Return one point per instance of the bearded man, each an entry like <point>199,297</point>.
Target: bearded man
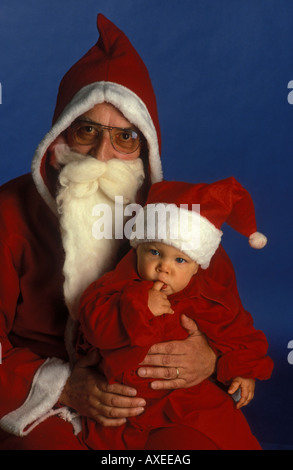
<point>104,141</point>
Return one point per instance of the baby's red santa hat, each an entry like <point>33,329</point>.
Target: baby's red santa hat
<point>202,207</point>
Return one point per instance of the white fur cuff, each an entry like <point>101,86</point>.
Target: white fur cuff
<point>46,388</point>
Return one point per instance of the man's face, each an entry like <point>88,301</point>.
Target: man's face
<point>102,149</point>
<point>160,262</point>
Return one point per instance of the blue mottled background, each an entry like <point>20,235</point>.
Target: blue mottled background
<point>221,71</point>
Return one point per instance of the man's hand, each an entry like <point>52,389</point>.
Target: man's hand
<point>183,363</point>
<point>87,392</point>
<point>246,387</point>
<point>158,302</point>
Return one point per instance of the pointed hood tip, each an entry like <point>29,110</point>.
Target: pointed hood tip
<point>104,25</point>
<point>109,33</point>
<point>111,71</point>
<point>103,21</point>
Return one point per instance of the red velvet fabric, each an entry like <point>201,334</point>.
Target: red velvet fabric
<point>225,200</point>
<point>115,318</point>
<point>32,310</point>
<point>52,434</point>
<point>111,59</point>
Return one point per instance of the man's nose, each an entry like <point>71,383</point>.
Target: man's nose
<point>102,149</point>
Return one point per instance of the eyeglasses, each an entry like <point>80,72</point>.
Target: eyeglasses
<point>123,140</point>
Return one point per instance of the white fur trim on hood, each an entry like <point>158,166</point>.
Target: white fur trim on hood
<point>127,102</point>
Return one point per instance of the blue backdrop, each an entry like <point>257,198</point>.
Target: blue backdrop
<point>221,71</point>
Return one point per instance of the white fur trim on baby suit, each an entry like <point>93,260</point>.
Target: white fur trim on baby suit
<point>47,386</point>
<point>186,230</point>
<point>130,105</point>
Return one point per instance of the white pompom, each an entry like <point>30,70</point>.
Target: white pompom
<point>257,240</point>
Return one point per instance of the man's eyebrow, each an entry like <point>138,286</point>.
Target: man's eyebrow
<point>84,118</point>
<point>90,121</point>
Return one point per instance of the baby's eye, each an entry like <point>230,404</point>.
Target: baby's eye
<point>180,260</point>
<point>155,252</point>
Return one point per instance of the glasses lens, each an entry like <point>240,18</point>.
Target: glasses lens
<point>84,134</point>
<point>125,140</point>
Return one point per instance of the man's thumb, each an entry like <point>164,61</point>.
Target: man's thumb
<point>190,326</point>
<point>91,359</point>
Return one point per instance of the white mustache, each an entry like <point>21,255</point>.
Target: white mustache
<point>84,175</point>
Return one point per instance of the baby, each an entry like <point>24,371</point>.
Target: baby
<point>171,271</point>
<point>141,302</point>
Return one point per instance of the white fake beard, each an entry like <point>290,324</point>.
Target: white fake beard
<point>85,182</point>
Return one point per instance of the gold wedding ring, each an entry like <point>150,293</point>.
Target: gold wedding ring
<point>177,373</point>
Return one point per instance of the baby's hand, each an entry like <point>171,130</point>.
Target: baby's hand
<point>158,302</point>
<point>246,386</point>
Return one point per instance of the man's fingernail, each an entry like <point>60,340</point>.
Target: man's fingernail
<point>154,385</point>
<point>140,410</point>
<point>142,372</point>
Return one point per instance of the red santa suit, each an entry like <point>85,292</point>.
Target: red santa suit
<point>115,318</point>
<point>33,313</point>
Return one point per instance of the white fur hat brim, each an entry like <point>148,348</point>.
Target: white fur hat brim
<point>185,230</point>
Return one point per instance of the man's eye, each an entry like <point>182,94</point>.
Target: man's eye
<point>180,260</point>
<point>88,129</point>
<point>124,136</point>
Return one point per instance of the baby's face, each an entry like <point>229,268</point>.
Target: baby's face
<point>160,262</point>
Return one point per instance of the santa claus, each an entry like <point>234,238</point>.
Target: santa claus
<point>104,141</point>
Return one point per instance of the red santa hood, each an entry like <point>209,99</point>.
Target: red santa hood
<point>111,71</point>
